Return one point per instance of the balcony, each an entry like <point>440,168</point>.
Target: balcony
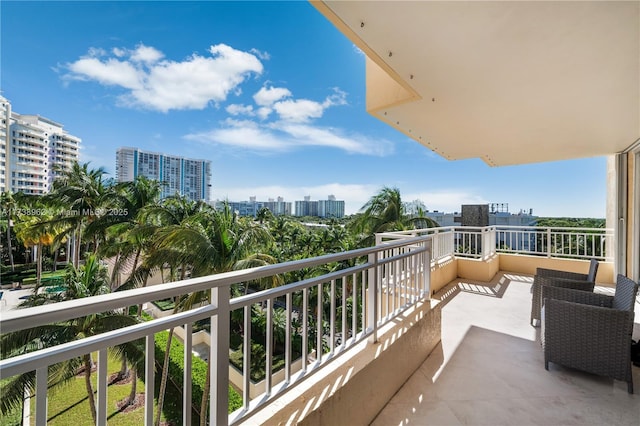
<point>489,368</point>
<point>430,328</point>
<point>31,137</point>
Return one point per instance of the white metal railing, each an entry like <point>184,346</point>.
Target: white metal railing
<point>577,243</point>
<point>483,242</point>
<point>449,241</point>
<point>328,314</point>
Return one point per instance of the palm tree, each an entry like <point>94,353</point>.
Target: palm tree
<point>284,232</point>
<point>208,242</point>
<point>420,220</point>
<point>128,231</point>
<point>8,204</point>
<point>126,235</point>
<point>263,214</point>
<point>36,230</point>
<point>156,219</point>
<point>88,280</point>
<point>384,212</point>
<point>82,192</point>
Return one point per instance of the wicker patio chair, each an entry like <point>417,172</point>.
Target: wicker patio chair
<point>558,278</point>
<point>589,331</point>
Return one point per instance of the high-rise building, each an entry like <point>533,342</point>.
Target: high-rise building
<point>277,207</point>
<point>177,175</point>
<point>323,208</point>
<point>34,151</point>
<point>306,207</point>
<point>5,122</point>
<point>331,207</point>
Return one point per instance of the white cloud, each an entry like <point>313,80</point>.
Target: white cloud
<point>96,52</point>
<point>243,134</point>
<point>304,134</point>
<point>238,109</point>
<point>299,110</point>
<point>291,129</point>
<point>264,112</point>
<point>282,136</point>
<point>265,56</point>
<point>160,84</point>
<point>339,97</point>
<point>266,96</point>
<point>304,110</point>
<point>111,72</point>
<point>146,54</point>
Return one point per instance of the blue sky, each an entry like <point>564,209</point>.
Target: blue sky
<point>270,92</point>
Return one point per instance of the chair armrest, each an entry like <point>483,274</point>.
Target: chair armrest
<point>541,281</point>
<point>543,272</point>
<point>586,331</point>
<point>576,296</point>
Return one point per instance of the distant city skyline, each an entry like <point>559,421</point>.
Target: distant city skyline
<point>269,92</point>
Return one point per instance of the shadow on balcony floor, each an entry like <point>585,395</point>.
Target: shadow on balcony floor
<point>489,370</point>
<point>495,288</point>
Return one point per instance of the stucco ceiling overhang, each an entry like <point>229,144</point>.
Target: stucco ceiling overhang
<point>510,82</point>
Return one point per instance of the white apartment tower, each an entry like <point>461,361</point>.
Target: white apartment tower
<point>34,150</point>
<point>5,120</point>
<point>329,208</point>
<point>185,176</point>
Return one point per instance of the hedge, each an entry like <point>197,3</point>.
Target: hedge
<point>45,281</point>
<point>19,268</point>
<point>258,361</point>
<point>173,396</point>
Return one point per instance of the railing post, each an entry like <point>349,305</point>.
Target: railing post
<point>149,379</point>
<point>489,242</point>
<point>372,308</point>
<point>219,358</point>
<point>548,242</point>
<point>187,379</point>
<point>42,375</point>
<point>426,269</point>
<point>101,410</point>
<point>493,236</point>
<point>438,251</point>
<point>447,244</point>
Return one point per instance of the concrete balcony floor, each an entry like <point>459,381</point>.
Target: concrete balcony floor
<point>489,369</point>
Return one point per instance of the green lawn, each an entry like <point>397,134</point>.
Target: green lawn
<point>69,404</point>
<point>47,278</point>
<point>11,419</point>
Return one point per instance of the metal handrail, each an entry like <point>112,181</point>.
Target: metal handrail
<point>394,277</point>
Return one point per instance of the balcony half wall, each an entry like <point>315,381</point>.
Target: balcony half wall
<point>442,273</point>
<point>361,382</point>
